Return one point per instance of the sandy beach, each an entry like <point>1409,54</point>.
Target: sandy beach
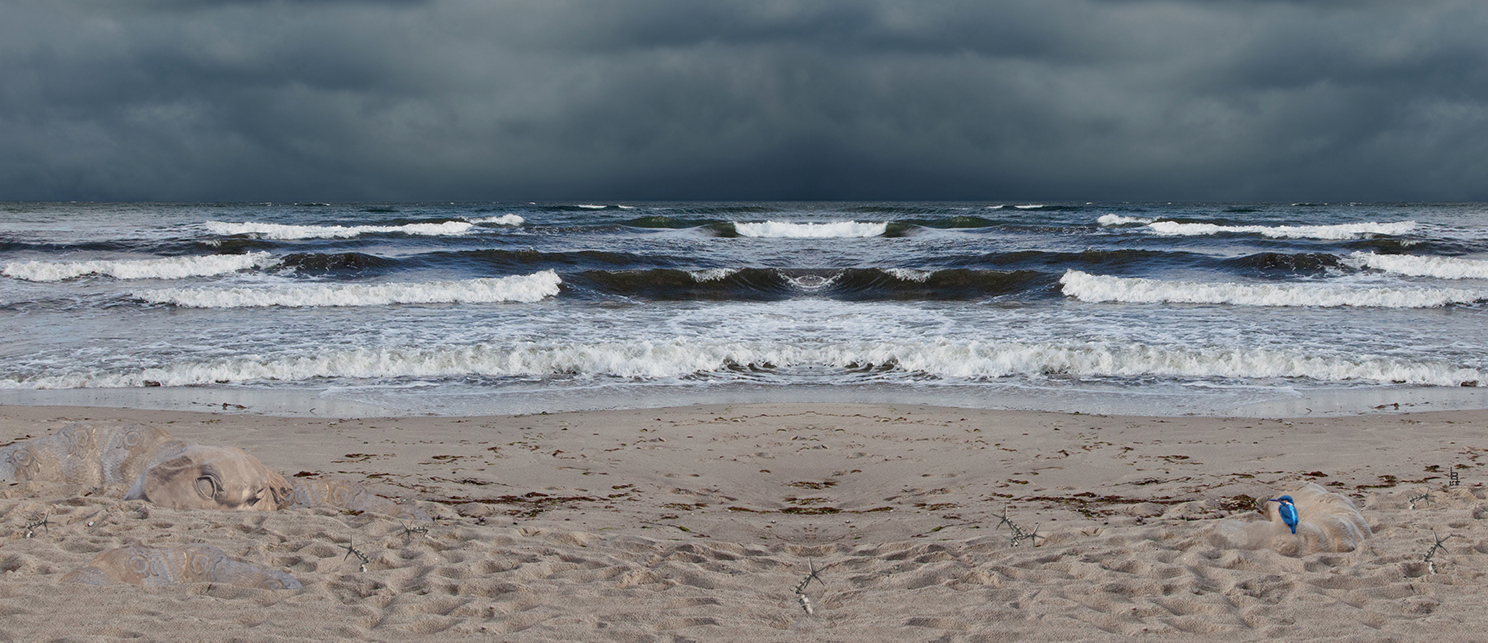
<point>701,523</point>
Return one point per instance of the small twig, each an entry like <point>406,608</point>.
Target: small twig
<point>1431,553</point>
<point>1019,534</point>
<point>351,550</point>
<point>408,532</point>
<point>801,587</point>
<point>44,521</point>
<point>1026,535</point>
<point>1003,517</point>
<point>1425,496</point>
<point>815,575</point>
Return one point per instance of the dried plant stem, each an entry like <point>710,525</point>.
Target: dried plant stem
<point>801,587</point>
<point>1430,556</point>
<point>351,550</point>
<point>1019,533</point>
<point>44,521</point>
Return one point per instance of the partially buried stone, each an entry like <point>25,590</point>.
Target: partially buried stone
<point>155,566</point>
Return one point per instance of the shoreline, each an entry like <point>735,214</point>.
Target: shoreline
<point>697,521</point>
<point>1248,402</point>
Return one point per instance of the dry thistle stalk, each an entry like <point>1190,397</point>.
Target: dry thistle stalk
<point>44,521</point>
<point>351,550</point>
<point>801,587</point>
<point>408,532</point>
<point>1019,534</point>
<point>1431,553</point>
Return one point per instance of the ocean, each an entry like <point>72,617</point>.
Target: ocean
<point>481,308</point>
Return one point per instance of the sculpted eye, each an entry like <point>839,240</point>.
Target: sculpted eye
<point>208,486</point>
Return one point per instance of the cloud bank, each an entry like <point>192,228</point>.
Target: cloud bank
<point>743,99</point>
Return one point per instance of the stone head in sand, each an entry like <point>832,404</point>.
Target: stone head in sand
<point>203,477</point>
<point>91,455</point>
<point>171,473</point>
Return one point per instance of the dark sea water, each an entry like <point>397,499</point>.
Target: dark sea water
<point>489,308</point>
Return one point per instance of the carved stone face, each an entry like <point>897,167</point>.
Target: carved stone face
<point>203,477</point>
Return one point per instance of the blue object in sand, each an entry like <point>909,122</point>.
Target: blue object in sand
<point>1288,511</point>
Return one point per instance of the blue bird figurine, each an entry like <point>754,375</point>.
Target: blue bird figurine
<point>1288,511</point>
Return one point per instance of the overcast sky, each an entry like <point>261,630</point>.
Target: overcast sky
<point>744,99</point>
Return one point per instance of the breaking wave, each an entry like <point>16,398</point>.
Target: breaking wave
<point>505,219</point>
<point>850,284</point>
<point>1100,288</point>
<point>938,358</point>
<point>521,288</point>
<point>1417,266</point>
<point>1336,232</point>
<point>1116,219</point>
<point>712,274</point>
<point>289,232</point>
<point>165,268</point>
<point>781,229</point>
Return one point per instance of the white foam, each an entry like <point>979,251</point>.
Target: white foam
<point>1101,288</point>
<point>1116,219</point>
<point>164,268</point>
<point>907,274</point>
<point>681,358</point>
<point>505,219</point>
<point>592,207</point>
<point>1326,232</point>
<point>782,229</point>
<point>521,288</point>
<point>286,232</point>
<point>811,283</point>
<point>1417,266</point>
<point>712,274</point>
<point>1033,206</point>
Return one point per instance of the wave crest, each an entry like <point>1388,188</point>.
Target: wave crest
<point>1101,288</point>
<point>284,232</point>
<point>165,268</point>
<point>787,230</point>
<point>520,288</point>
<point>505,219</point>
<point>1116,220</point>
<point>1325,232</point>
<point>1418,266</point>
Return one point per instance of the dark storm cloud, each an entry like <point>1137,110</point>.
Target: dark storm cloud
<point>676,99</point>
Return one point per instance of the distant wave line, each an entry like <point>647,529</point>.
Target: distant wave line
<point>1337,232</point>
<point>1103,288</point>
<point>520,288</point>
<point>284,232</point>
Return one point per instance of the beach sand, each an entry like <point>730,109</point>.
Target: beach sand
<point>700,523</point>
